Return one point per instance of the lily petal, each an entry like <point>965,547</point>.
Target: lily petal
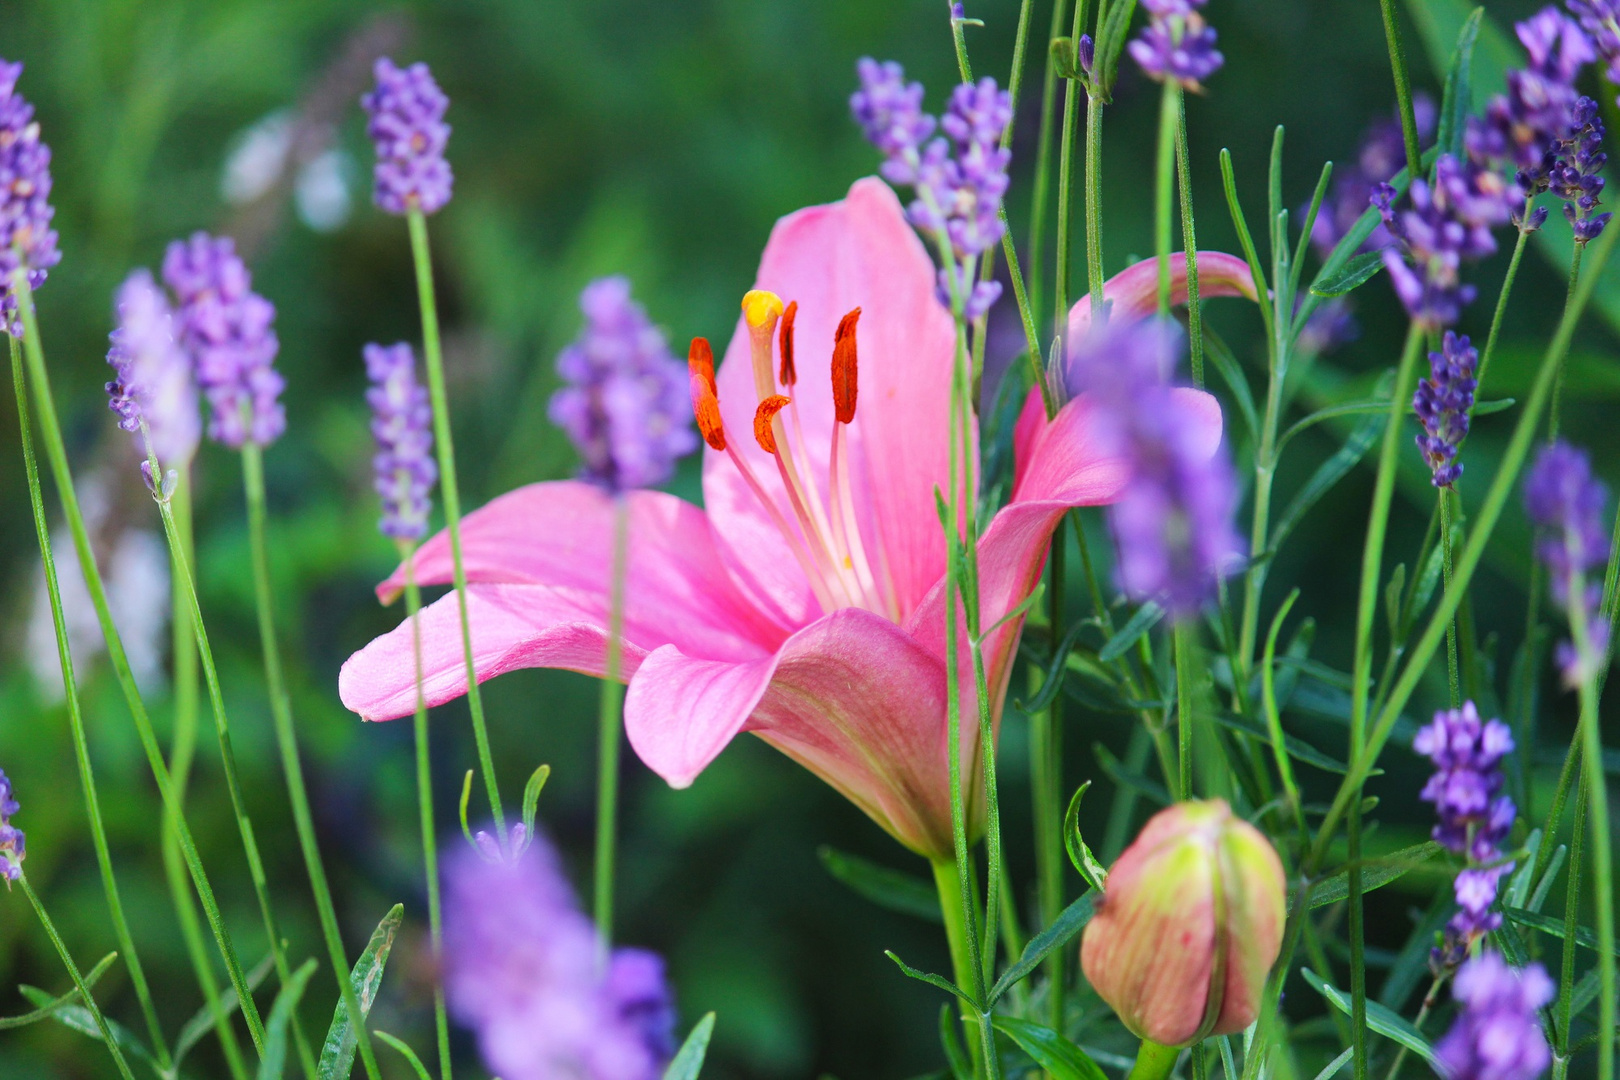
<point>1134,291</point>
<point>850,697</point>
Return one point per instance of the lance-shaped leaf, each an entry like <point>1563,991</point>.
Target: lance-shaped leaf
<point>68,998</point>
<point>337,1055</point>
<point>892,889</point>
<point>202,1021</point>
<point>688,1061</point>
<point>274,1059</point>
<point>1379,1017</point>
<point>1070,921</point>
<point>1051,1051</point>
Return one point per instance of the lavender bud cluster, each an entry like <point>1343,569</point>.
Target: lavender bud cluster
<point>1497,1034</point>
<point>522,970</point>
<point>1574,175</point>
<point>1475,817</point>
<point>226,328</point>
<point>626,403</point>
<point>960,176</point>
<point>13,845</point>
<point>1177,44</point>
<point>27,241</point>
<point>152,384</point>
<point>1566,502</point>
<point>1442,403</point>
<point>402,424</point>
<point>1173,524</point>
<point>406,112</point>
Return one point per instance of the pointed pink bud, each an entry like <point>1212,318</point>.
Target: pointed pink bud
<point>1189,925</point>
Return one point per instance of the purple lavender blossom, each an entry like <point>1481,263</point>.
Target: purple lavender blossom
<point>1442,403</point>
<point>152,384</point>
<point>407,125</point>
<point>1497,1034</point>
<point>1575,173</point>
<point>1177,43</point>
<point>402,424</point>
<point>1437,227</point>
<point>626,405</point>
<point>1382,155</point>
<point>226,328</point>
<point>1601,20</point>
<point>521,968</point>
<point>1331,325</point>
<point>1173,525</point>
<point>1566,501</point>
<point>1475,818</point>
<point>13,845</point>
<point>27,241</point>
<point>889,111</point>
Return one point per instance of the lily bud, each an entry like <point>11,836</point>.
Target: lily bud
<point>1189,925</point>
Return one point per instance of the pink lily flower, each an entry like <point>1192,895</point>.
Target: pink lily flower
<point>805,602</point>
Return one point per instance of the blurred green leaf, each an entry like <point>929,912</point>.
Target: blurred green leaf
<point>1051,1051</point>
<point>202,1021</point>
<point>274,1059</point>
<point>1070,921</point>
<point>1458,99</point>
<point>1379,1017</point>
<point>45,1011</point>
<point>688,1061</point>
<point>1354,274</point>
<point>1584,935</point>
<point>891,889</point>
<point>407,1053</point>
<point>1375,873</point>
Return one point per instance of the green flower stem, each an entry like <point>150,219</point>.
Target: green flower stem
<point>1597,806</point>
<point>434,359</point>
<point>1453,678</point>
<point>960,44</point>
<point>1184,632</point>
<point>1046,788</point>
<point>1555,409</point>
<point>1403,87</point>
<point>1064,253</point>
<point>78,980</point>
<point>610,730</point>
<point>1154,1062</point>
<point>1572,918</point>
<point>1043,167</point>
<point>1189,244</point>
<point>1094,255</point>
<point>1501,307</point>
<point>424,799</point>
<point>1555,815</point>
<point>287,743</point>
<point>1164,190</point>
<point>948,879</point>
<point>56,455</point>
<point>227,753</point>
<point>81,746</point>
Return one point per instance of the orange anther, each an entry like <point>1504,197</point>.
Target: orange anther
<point>843,368</point>
<point>705,398</point>
<point>784,342</point>
<point>763,416</point>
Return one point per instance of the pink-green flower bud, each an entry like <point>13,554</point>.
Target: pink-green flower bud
<point>1190,923</point>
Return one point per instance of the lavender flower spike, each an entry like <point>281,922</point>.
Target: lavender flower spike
<point>1177,44</point>
<point>1566,501</point>
<point>402,424</point>
<point>1442,403</point>
<point>13,845</point>
<point>226,328</point>
<point>1575,176</point>
<point>1601,21</point>
<point>889,111</point>
<point>27,241</point>
<point>521,969</point>
<point>1173,524</point>
<point>626,402</point>
<point>152,387</point>
<point>1497,1034</point>
<point>407,125</point>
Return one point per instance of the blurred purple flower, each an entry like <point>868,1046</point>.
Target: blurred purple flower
<point>402,424</point>
<point>1566,501</point>
<point>1331,325</point>
<point>27,241</point>
<point>522,969</point>
<point>1442,403</point>
<point>1177,43</point>
<point>1173,523</point>
<point>1497,1034</point>
<point>152,379</point>
<point>407,125</point>
<point>13,845</point>
<point>226,328</point>
<point>889,111</point>
<point>626,405</point>
<point>1601,20</point>
<point>1382,155</point>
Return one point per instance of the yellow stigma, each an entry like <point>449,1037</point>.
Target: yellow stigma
<point>761,308</point>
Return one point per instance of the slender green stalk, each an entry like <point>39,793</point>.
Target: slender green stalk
<point>287,743</point>
<point>1555,815</point>
<point>959,43</point>
<point>610,730</point>
<point>81,746</point>
<point>1453,679</point>
<point>1403,87</point>
<point>1189,244</point>
<point>1501,307</point>
<point>1164,190</point>
<point>434,359</point>
<point>1046,789</point>
<point>1572,918</point>
<point>1064,251</point>
<point>1184,633</point>
<point>1094,254</point>
<point>424,800</point>
<point>1043,167</point>
<point>85,996</point>
<point>1556,408</point>
<point>56,455</point>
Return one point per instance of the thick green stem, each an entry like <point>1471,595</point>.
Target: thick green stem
<point>1185,630</point>
<point>1094,253</point>
<point>56,455</point>
<point>287,744</point>
<point>1041,194</point>
<point>1164,189</point>
<point>1046,789</point>
<point>1154,1062</point>
<point>434,360</point>
<point>1403,88</point>
<point>1453,678</point>
<point>424,800</point>
<point>85,996</point>
<point>609,730</point>
<point>1597,805</point>
<point>1189,245</point>
<point>81,746</point>
<point>1064,253</point>
<point>948,880</point>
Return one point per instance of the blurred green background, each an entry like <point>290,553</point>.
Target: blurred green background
<point>659,140</point>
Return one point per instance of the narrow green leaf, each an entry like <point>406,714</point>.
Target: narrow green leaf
<point>1144,620</point>
<point>688,1060</point>
<point>405,1051</point>
<point>1586,992</point>
<point>1332,1068</point>
<point>1549,925</point>
<point>1457,100</point>
<point>1354,274</point>
<point>1051,1051</point>
<point>1518,885</point>
<point>1079,853</point>
<point>1375,873</point>
<point>78,1018</point>
<point>68,998</point>
<point>531,797</point>
<point>932,980</point>
<point>1052,682</point>
<point>1329,473</point>
<point>1554,864</point>
<point>202,1021</point>
<point>955,1056</point>
<point>1232,373</point>
<point>1070,921</point>
<point>1017,612</point>
<point>1394,591</point>
<point>1298,749</point>
<point>891,889</point>
<point>274,1059</point>
<point>1119,774</point>
<point>337,1055</point>
<point>466,796</point>
<point>1379,1017</point>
